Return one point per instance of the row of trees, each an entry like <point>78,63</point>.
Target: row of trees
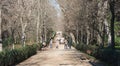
<point>90,21</point>
<point>24,22</point>
<point>32,21</point>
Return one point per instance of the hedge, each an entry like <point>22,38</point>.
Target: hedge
<point>12,57</point>
<point>86,48</point>
<point>108,55</point>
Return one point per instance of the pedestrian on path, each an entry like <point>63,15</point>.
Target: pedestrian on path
<point>69,42</point>
<point>65,44</point>
<point>57,43</point>
<point>51,42</point>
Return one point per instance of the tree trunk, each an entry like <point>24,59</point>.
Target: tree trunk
<point>112,5</point>
<point>77,35</point>
<point>82,35</point>
<point>38,22</point>
<point>0,32</point>
<point>72,36</point>
<point>88,35</point>
<point>37,30</point>
<point>108,31</point>
<point>23,32</point>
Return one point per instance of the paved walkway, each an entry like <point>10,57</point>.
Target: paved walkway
<point>60,57</point>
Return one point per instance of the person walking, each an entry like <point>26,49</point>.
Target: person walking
<point>69,42</point>
<point>57,43</point>
<point>65,44</point>
<point>51,42</point>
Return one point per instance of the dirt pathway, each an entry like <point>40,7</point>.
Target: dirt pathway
<point>60,57</point>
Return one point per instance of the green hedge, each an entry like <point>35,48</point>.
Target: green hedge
<point>108,55</point>
<point>86,48</point>
<point>12,57</point>
<point>117,41</point>
<point>39,46</point>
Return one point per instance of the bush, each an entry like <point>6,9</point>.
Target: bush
<point>11,57</point>
<point>39,46</point>
<point>117,41</point>
<point>107,55</point>
<point>89,49</point>
<point>8,41</point>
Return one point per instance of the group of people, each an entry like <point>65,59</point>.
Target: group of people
<point>51,43</point>
<point>67,43</point>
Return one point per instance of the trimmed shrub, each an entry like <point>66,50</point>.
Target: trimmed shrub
<point>108,55</point>
<point>89,49</point>
<point>8,41</point>
<point>12,57</point>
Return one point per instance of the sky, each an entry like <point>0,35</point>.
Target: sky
<point>55,4</point>
<point>59,23</point>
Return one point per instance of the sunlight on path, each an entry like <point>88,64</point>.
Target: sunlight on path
<point>58,57</point>
<point>53,57</point>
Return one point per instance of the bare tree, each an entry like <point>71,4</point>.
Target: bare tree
<point>38,22</point>
<point>25,14</point>
<point>0,31</point>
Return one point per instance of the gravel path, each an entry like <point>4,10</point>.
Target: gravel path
<point>60,57</point>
